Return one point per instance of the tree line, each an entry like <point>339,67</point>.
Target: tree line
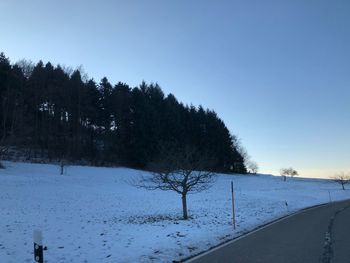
<point>50,112</point>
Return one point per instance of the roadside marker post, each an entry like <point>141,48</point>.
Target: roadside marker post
<point>38,247</point>
<point>233,207</point>
<point>330,198</point>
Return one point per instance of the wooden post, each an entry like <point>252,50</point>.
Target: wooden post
<point>233,207</point>
<point>38,247</point>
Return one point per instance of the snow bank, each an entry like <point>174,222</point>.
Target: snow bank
<point>95,215</point>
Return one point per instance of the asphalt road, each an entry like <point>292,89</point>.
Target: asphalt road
<point>320,234</point>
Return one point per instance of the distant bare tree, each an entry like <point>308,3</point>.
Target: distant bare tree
<point>62,166</point>
<point>243,152</point>
<point>26,66</point>
<point>182,170</point>
<point>342,179</point>
<point>3,151</point>
<point>66,69</point>
<point>252,167</point>
<point>288,172</point>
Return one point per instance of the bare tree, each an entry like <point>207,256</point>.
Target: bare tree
<point>288,172</point>
<point>242,151</point>
<point>182,170</point>
<point>252,167</point>
<point>3,151</point>
<point>342,179</point>
<point>26,66</point>
<point>62,166</point>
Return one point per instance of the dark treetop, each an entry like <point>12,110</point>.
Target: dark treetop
<point>48,112</point>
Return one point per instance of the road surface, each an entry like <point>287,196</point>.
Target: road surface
<point>319,234</point>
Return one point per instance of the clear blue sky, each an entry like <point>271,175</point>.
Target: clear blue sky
<point>277,72</point>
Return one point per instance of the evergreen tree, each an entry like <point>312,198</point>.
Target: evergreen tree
<point>58,114</point>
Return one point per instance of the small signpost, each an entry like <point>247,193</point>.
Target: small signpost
<point>38,247</point>
<point>233,207</point>
<point>329,194</point>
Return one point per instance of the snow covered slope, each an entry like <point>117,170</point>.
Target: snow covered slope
<point>94,214</point>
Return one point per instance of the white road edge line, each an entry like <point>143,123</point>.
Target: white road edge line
<point>256,230</point>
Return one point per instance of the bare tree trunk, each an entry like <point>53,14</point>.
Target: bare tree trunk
<point>184,206</point>
<point>62,167</point>
<point>4,116</point>
<point>3,150</point>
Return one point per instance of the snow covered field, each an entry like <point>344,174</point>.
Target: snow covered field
<point>94,215</point>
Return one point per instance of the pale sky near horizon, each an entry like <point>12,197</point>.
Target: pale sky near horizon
<point>277,72</point>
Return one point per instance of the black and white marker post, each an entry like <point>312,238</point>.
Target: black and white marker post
<point>38,247</point>
<point>233,207</point>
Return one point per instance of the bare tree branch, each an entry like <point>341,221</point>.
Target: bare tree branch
<point>3,151</point>
<point>288,171</point>
<point>182,170</point>
<point>342,179</point>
